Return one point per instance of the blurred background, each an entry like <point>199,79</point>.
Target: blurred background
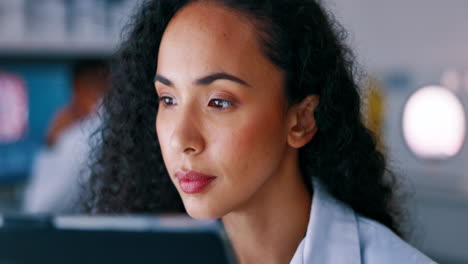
<point>53,72</point>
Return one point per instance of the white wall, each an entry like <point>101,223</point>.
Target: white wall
<point>410,33</point>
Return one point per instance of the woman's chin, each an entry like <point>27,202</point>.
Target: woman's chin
<point>203,212</point>
<point>203,217</point>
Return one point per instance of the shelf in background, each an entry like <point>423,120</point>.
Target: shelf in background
<point>65,49</point>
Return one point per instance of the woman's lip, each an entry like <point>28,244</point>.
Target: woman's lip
<point>193,182</point>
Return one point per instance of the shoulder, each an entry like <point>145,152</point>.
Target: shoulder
<point>380,245</point>
<point>336,227</point>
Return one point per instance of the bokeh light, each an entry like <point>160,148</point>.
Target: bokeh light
<point>434,123</point>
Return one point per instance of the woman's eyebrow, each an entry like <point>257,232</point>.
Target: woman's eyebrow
<point>205,80</point>
<point>220,76</point>
<point>163,80</point>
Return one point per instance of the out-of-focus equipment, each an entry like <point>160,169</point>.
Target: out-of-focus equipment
<point>113,240</point>
<point>13,108</point>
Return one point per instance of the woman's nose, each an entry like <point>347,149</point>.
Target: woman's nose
<point>186,137</point>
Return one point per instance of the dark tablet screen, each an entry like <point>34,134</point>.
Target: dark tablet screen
<point>113,240</point>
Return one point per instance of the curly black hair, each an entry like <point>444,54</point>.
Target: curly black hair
<point>308,44</point>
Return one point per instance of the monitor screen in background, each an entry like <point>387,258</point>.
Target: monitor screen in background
<point>48,87</point>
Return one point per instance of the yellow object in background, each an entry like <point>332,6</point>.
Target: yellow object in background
<point>375,110</point>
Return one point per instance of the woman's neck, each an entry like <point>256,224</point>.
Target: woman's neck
<point>271,225</point>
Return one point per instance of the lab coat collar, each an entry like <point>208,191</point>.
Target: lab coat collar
<point>332,232</point>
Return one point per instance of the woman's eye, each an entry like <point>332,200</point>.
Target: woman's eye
<point>166,100</point>
<point>220,103</point>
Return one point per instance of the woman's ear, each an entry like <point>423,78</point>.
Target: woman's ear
<point>302,126</point>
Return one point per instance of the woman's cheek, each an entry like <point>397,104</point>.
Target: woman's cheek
<point>242,145</point>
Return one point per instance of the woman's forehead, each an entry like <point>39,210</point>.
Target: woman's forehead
<point>212,17</point>
<point>205,37</point>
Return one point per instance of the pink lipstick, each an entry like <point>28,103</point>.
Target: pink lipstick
<point>193,182</point>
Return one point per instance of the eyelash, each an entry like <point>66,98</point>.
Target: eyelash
<point>219,104</point>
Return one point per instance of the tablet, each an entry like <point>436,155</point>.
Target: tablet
<point>112,239</point>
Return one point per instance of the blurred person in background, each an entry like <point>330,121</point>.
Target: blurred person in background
<point>60,168</point>
<point>248,111</point>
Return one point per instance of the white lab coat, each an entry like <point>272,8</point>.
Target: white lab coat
<point>59,174</point>
<point>338,235</point>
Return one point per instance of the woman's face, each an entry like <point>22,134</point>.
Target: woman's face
<point>222,110</point>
